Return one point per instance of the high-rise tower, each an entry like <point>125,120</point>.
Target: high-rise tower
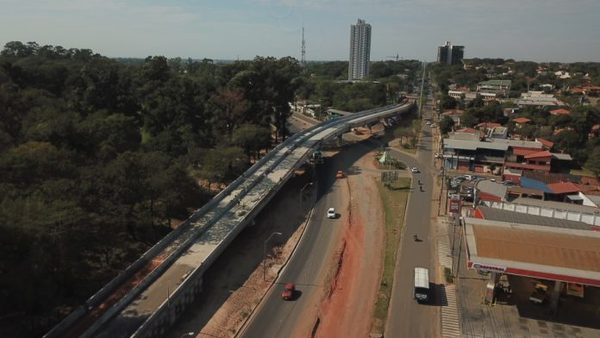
<point>360,50</point>
<point>449,54</point>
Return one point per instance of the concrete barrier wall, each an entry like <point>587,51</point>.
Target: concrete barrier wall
<point>591,219</point>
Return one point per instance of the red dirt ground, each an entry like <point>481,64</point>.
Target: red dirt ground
<point>347,311</point>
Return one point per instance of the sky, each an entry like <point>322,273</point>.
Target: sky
<point>537,30</point>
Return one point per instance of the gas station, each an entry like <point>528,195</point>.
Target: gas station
<point>566,258</point>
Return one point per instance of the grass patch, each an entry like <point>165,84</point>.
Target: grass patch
<point>394,205</point>
<point>408,149</point>
<point>582,172</point>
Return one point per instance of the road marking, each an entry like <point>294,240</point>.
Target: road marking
<point>444,253</point>
<point>450,314</point>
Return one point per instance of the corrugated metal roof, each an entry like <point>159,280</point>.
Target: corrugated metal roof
<point>562,157</point>
<point>527,245</point>
<point>557,205</point>
<point>492,188</point>
<point>519,143</point>
<point>524,151</point>
<point>473,145</point>
<point>563,187</point>
<point>530,183</point>
<point>539,154</point>
<point>495,214</point>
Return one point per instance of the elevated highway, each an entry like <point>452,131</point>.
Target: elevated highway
<point>147,298</point>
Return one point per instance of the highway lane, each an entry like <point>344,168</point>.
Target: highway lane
<point>306,268</point>
<point>407,318</point>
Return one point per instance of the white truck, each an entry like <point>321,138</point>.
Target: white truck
<point>421,291</point>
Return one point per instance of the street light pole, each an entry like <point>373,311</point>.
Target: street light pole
<point>265,253</point>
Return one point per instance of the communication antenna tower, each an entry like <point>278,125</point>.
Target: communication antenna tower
<point>303,51</point>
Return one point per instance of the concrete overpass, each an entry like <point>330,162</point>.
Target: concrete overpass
<point>149,295</point>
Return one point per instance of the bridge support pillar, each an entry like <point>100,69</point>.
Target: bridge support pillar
<point>339,141</point>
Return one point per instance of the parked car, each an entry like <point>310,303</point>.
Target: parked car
<point>414,169</point>
<point>288,291</point>
<point>331,213</point>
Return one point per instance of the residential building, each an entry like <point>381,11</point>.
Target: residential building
<point>466,151</point>
<point>585,90</point>
<point>360,50</point>
<point>498,87</point>
<point>449,54</point>
<point>455,115</point>
<point>538,99</point>
<point>560,111</point>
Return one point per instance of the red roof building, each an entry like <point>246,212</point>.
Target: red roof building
<point>547,144</point>
<point>521,120</point>
<point>523,151</point>
<point>488,125</point>
<point>468,130</point>
<point>539,155</point>
<point>560,111</point>
<point>563,188</point>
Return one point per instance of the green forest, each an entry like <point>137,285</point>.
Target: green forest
<point>100,158</point>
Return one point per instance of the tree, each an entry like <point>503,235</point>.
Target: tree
<point>593,162</point>
<point>230,107</point>
<point>401,133</point>
<point>252,139</point>
<point>446,124</point>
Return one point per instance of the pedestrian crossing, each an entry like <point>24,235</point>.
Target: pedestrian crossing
<point>444,256</point>
<point>450,315</point>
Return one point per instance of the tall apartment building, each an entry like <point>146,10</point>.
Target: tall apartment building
<point>360,50</point>
<point>449,54</point>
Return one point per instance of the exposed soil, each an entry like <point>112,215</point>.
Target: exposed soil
<point>346,311</point>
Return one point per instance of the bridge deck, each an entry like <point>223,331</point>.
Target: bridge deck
<point>197,246</point>
<point>157,293</point>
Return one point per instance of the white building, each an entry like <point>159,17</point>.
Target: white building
<point>360,50</point>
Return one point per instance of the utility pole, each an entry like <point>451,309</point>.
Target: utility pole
<point>421,94</point>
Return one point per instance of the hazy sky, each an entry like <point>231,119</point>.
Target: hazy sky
<point>540,30</point>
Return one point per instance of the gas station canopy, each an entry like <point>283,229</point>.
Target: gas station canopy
<point>546,252</point>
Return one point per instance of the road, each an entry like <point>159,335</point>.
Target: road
<point>306,268</point>
<point>407,318</point>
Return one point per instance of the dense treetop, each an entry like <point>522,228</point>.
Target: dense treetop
<point>99,157</point>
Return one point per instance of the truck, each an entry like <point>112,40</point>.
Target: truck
<point>421,288</point>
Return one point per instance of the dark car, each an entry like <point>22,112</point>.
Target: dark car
<point>288,291</point>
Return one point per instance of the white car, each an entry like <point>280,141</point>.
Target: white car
<point>331,213</point>
<point>414,169</point>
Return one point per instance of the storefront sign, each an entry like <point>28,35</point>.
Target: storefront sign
<point>492,268</point>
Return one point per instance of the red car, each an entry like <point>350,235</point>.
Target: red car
<point>288,291</point>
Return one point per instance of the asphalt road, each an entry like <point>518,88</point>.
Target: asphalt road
<point>406,317</point>
<point>276,317</point>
